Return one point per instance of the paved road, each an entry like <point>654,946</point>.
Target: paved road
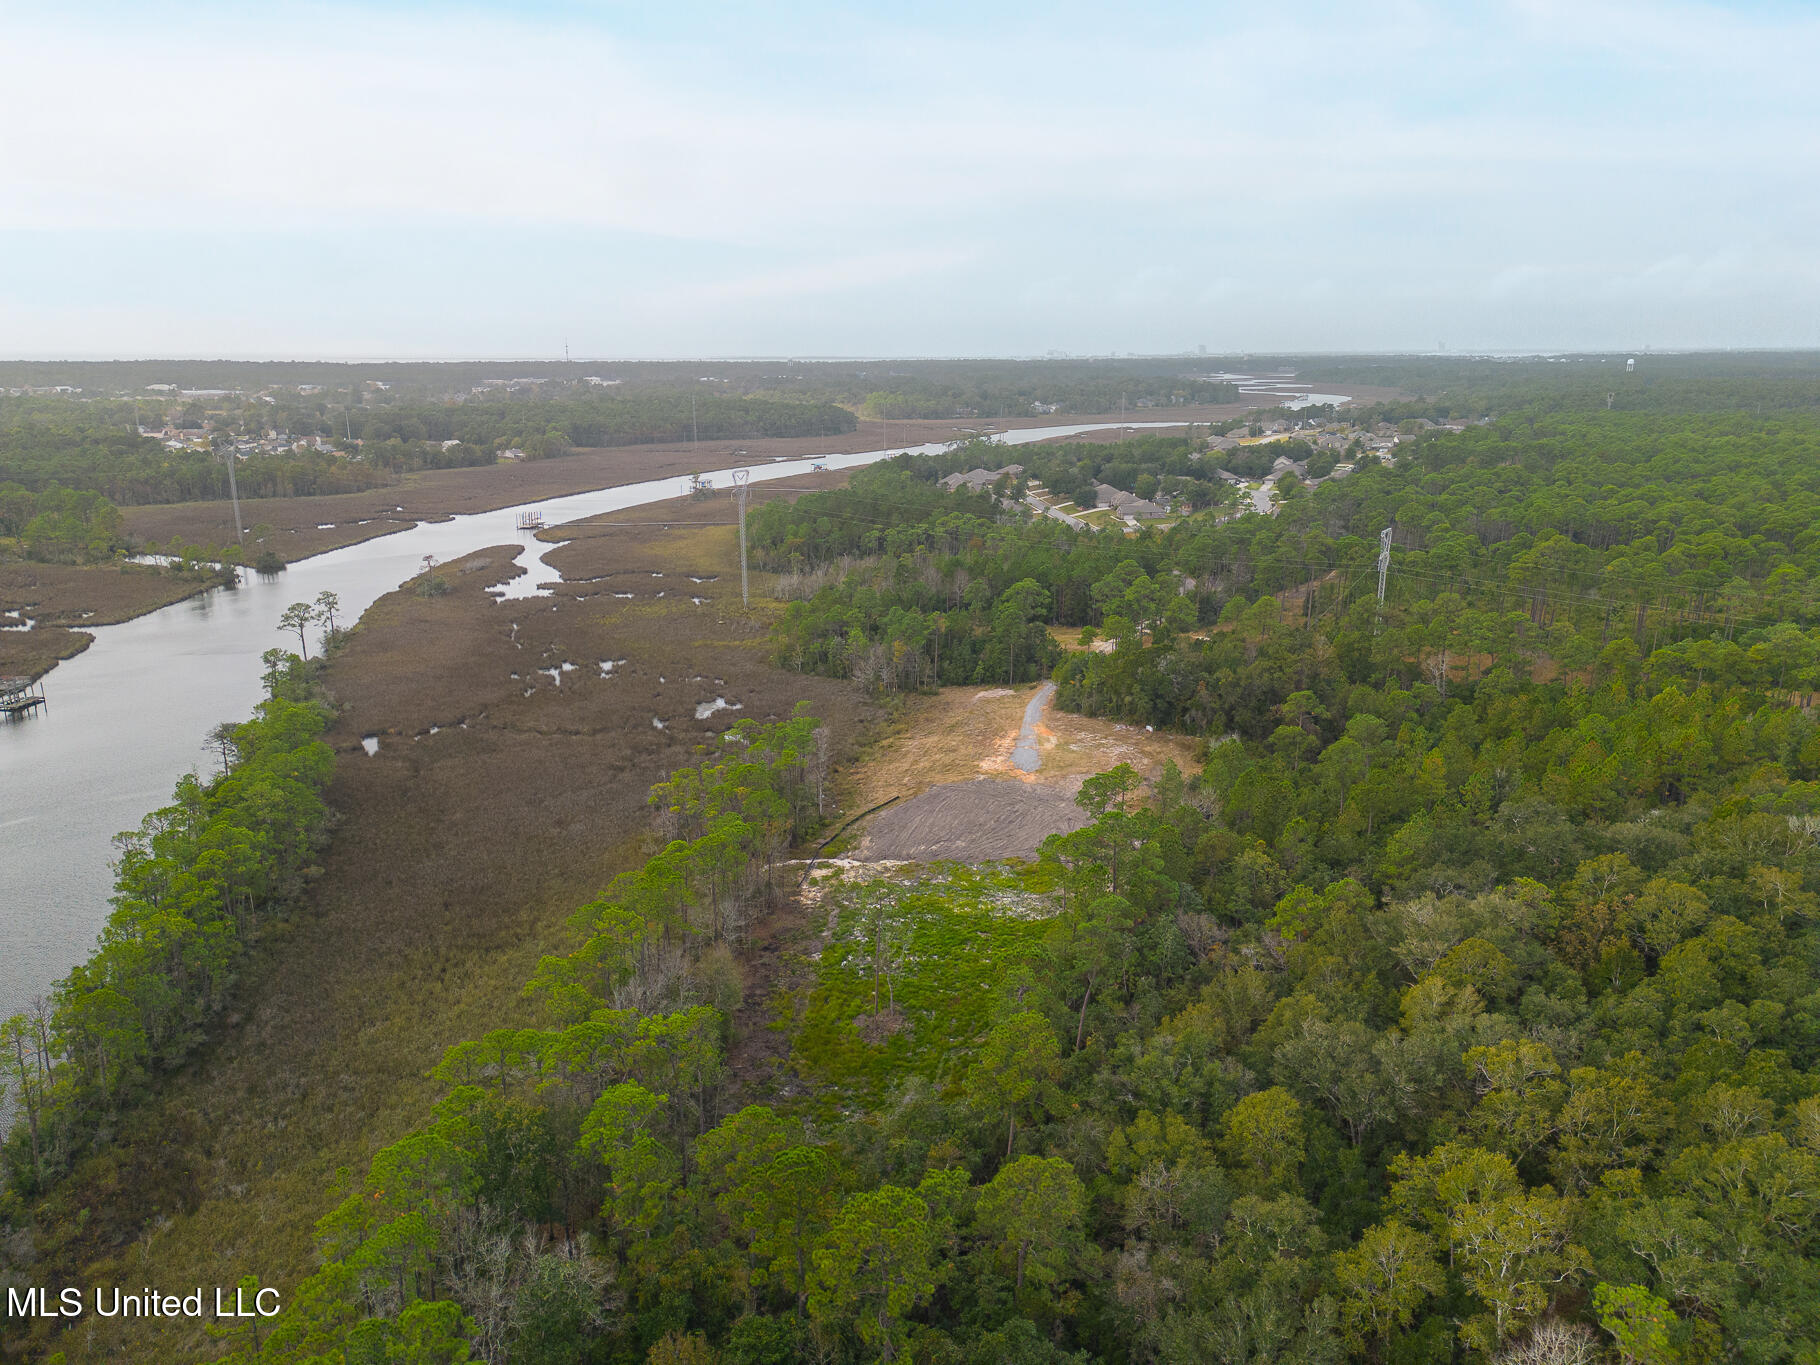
<point>1024,754</point>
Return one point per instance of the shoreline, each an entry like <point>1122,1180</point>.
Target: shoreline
<point>310,526</point>
<point>302,528</point>
<point>68,608</point>
<point>307,526</point>
<point>503,791</point>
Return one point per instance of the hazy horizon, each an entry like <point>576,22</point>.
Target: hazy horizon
<point>390,179</point>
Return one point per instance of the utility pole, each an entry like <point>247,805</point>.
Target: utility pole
<point>234,493</point>
<point>741,479</point>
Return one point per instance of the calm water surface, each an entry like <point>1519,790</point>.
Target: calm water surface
<point>127,717</point>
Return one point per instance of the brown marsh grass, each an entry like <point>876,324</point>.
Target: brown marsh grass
<point>457,859</point>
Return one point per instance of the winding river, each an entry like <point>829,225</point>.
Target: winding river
<point>128,716</point>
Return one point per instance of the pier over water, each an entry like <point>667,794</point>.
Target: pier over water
<point>20,696</point>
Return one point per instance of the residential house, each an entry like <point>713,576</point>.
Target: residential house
<point>979,480</point>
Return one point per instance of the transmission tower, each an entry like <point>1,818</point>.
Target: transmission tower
<point>742,478</point>
<point>1383,573</point>
<point>234,493</point>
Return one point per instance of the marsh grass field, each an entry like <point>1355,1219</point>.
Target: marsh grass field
<point>456,860</point>
<point>61,599</point>
<point>311,525</point>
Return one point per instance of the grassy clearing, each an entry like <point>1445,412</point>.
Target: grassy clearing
<point>955,930</point>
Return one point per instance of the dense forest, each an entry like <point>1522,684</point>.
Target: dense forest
<point>995,395</point>
<point>1759,382</point>
<point>1244,1090</point>
<point>1673,548</point>
<point>1085,384</point>
<point>1462,1005</point>
<point>60,525</point>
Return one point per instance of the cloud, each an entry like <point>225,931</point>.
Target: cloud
<point>992,176</point>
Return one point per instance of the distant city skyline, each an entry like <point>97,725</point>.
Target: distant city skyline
<point>408,181</point>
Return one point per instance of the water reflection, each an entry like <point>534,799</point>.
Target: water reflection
<point>128,716</point>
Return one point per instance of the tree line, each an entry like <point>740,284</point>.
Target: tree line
<point>95,446</point>
<point>196,885</point>
<point>61,525</point>
<point>1018,395</point>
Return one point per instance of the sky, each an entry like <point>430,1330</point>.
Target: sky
<point>674,179</point>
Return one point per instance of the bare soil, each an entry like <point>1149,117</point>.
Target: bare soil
<point>949,756</point>
<point>972,822</point>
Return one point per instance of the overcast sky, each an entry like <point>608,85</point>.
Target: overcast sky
<point>668,179</point>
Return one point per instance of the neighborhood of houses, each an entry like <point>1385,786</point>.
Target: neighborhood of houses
<point>1115,508</point>
<point>197,419</point>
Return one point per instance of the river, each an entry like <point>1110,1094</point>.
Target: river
<point>128,716</point>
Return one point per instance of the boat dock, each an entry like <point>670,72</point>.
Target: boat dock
<point>530,521</point>
<point>20,696</point>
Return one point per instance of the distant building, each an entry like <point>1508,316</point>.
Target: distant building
<point>980,479</point>
<point>1127,505</point>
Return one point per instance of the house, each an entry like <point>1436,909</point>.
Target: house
<point>979,480</point>
<point>1105,495</point>
<point>1128,506</point>
<point>511,453</point>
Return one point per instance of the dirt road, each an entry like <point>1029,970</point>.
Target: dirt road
<point>989,774</point>
<point>1024,754</point>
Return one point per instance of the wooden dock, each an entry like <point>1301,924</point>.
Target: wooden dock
<point>530,521</point>
<point>20,696</point>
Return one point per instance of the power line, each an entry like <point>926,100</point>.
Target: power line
<point>742,479</point>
